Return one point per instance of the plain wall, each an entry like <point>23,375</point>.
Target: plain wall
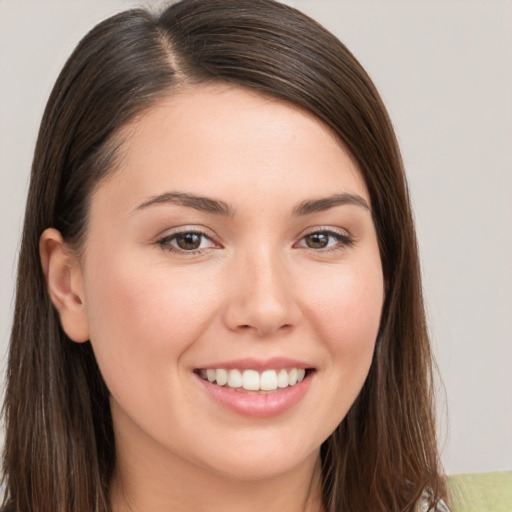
<point>444,69</point>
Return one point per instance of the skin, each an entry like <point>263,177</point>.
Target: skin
<point>155,313</point>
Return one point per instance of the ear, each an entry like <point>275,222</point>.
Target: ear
<point>64,282</point>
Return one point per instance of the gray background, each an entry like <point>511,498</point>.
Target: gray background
<point>444,69</point>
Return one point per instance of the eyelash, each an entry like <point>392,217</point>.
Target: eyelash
<point>343,241</point>
<point>165,242</point>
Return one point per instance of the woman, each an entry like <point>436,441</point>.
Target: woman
<point>219,303</point>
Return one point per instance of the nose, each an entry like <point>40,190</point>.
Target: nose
<point>262,297</point>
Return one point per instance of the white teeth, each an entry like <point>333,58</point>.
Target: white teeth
<point>292,377</point>
<point>221,377</point>
<point>268,380</point>
<point>282,379</point>
<point>251,380</point>
<point>235,379</point>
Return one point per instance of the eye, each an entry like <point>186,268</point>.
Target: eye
<point>186,241</point>
<point>325,239</point>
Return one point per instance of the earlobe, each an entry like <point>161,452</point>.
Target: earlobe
<point>64,283</point>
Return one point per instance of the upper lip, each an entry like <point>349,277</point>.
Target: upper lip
<point>260,365</point>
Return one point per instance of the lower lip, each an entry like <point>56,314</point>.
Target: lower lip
<point>256,405</point>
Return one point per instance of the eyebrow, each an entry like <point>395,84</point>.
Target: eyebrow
<point>201,203</point>
<point>209,205</point>
<point>325,203</point>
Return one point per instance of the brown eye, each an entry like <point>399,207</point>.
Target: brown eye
<point>186,242</point>
<point>189,241</point>
<point>326,240</point>
<point>317,240</point>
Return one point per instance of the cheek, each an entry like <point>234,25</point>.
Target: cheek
<point>141,318</point>
<point>347,314</point>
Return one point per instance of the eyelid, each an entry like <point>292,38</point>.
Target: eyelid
<point>326,229</point>
<point>163,240</point>
<point>344,237</point>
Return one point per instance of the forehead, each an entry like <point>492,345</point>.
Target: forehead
<point>222,140</point>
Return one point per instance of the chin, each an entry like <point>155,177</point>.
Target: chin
<point>261,461</point>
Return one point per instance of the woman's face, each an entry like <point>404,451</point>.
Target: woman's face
<point>234,242</point>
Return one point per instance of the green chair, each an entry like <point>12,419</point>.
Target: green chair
<point>484,492</point>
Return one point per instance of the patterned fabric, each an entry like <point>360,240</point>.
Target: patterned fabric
<point>441,506</point>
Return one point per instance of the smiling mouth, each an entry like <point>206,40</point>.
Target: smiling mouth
<point>248,381</point>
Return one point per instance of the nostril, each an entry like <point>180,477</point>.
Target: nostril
<point>247,327</point>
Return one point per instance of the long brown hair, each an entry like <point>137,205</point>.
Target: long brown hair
<point>59,448</point>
